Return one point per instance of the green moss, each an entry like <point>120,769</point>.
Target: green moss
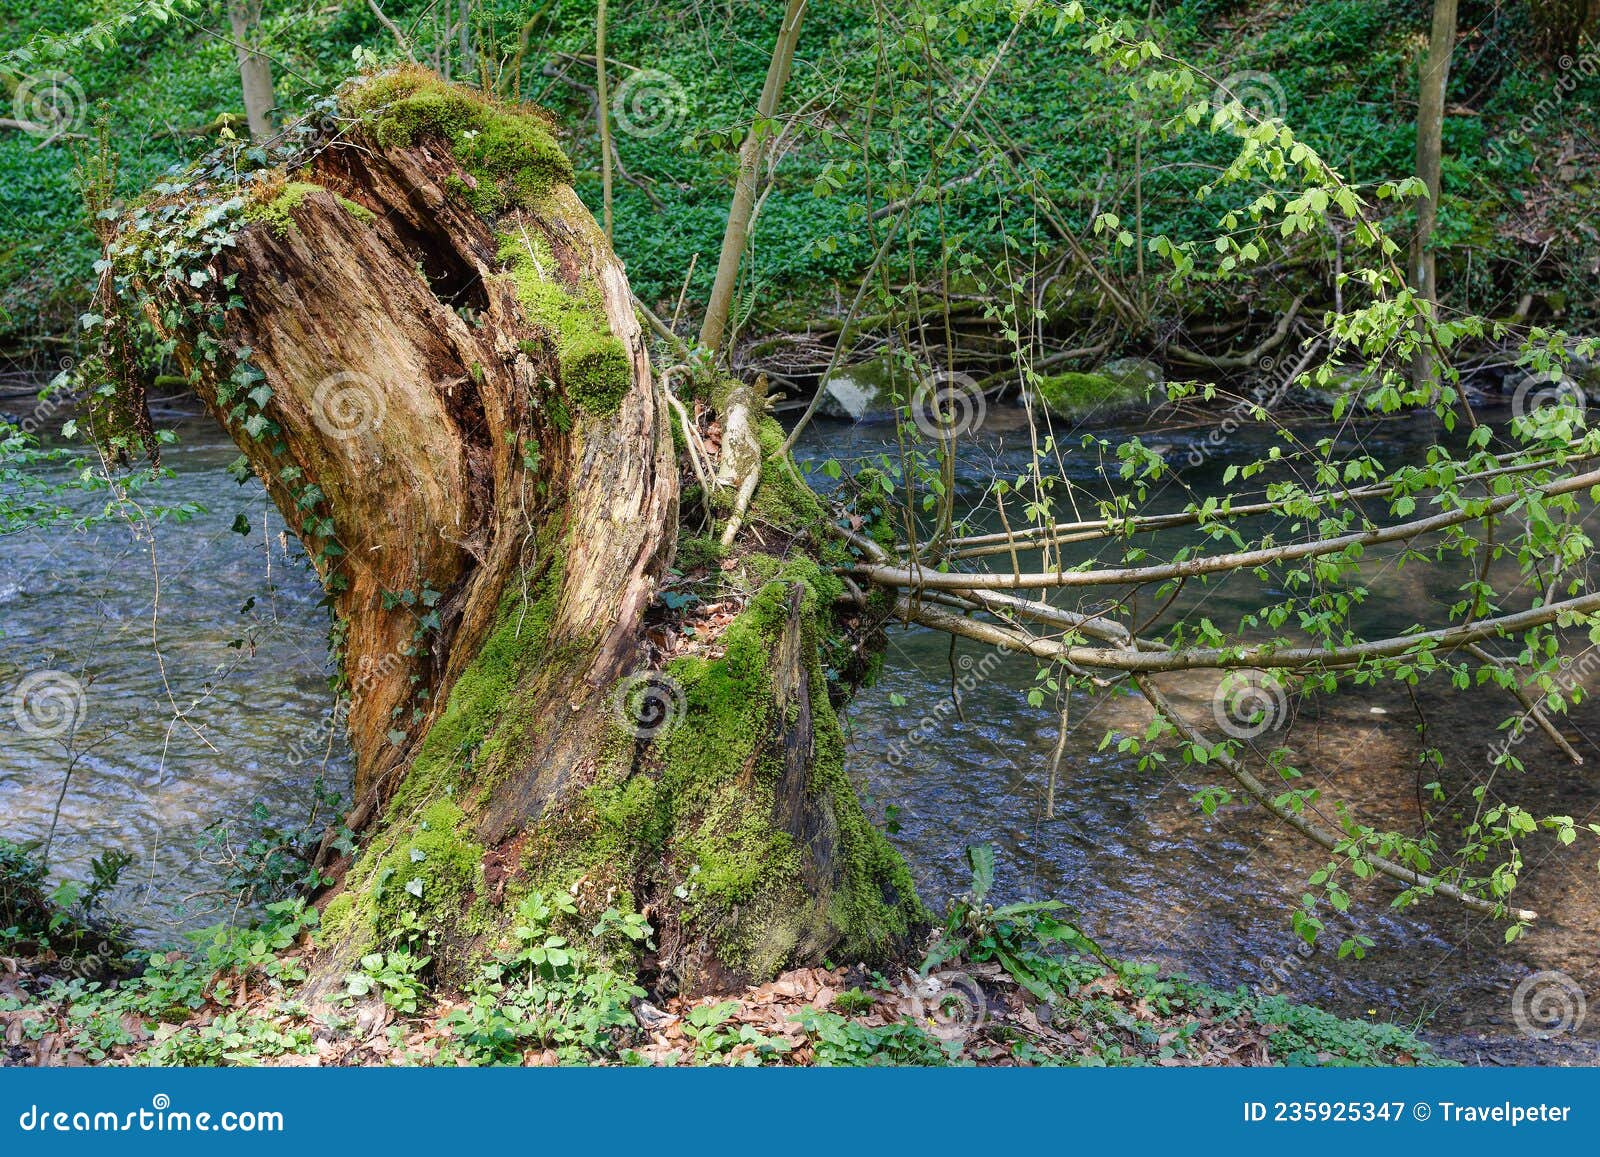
<point>1077,396</point>
<point>781,499</point>
<point>596,369</point>
<point>276,213</point>
<point>340,919</point>
<point>509,158</point>
<point>360,212</point>
<point>743,874</point>
<point>601,830</point>
<point>422,874</point>
<point>695,821</point>
<point>472,738</point>
<point>694,553</point>
<point>509,152</point>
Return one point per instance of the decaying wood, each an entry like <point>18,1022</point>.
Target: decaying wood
<point>408,384</point>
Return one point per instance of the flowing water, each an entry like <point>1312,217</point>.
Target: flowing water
<point>201,654</point>
<point>197,659</point>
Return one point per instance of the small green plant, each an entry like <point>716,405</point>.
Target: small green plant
<point>272,863</point>
<point>552,986</point>
<point>837,1040</point>
<point>1023,938</point>
<point>714,1045</point>
<point>395,976</point>
<point>853,1001</point>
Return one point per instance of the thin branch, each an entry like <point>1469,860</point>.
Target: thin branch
<point>1319,835</point>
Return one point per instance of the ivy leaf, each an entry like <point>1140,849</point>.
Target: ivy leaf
<point>241,524</point>
<point>414,886</point>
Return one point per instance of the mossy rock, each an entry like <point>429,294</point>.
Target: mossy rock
<point>1082,397</point>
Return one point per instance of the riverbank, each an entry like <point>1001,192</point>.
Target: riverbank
<point>232,998</point>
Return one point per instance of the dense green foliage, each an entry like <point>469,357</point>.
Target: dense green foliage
<point>1341,71</point>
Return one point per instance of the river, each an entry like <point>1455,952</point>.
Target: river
<point>202,651</point>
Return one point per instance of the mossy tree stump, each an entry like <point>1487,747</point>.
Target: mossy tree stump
<point>419,338</point>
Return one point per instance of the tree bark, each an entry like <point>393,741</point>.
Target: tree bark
<point>255,70</point>
<point>714,328</point>
<point>489,492</point>
<point>1430,148</point>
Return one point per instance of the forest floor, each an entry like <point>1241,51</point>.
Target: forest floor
<point>181,1012</point>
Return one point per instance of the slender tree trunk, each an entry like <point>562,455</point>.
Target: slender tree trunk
<point>464,39</point>
<point>461,407</point>
<point>1430,127</point>
<point>255,71</point>
<point>603,113</point>
<point>714,329</point>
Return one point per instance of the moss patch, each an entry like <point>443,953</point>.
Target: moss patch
<point>472,737</point>
<point>596,369</point>
<point>277,211</point>
<point>1078,397</point>
<point>509,159</point>
<point>742,874</point>
<point>420,875</point>
<point>509,152</point>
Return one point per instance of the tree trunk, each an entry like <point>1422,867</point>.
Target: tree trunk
<point>602,89</point>
<point>463,430</point>
<point>714,328</point>
<point>1430,148</point>
<point>255,70</point>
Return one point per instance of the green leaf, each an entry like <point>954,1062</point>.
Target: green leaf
<point>981,859</point>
